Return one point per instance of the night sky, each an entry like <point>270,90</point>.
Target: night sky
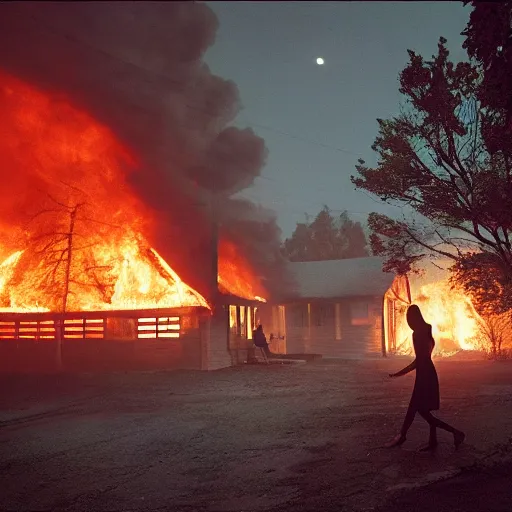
<point>318,120</point>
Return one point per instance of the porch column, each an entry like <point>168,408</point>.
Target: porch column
<point>308,328</point>
<point>204,333</point>
<point>337,321</point>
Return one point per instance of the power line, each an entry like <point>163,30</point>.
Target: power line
<point>303,139</point>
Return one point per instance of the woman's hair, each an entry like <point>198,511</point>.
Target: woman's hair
<point>415,318</point>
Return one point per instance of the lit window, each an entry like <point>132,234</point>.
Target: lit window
<point>84,328</point>
<point>162,327</point>
<point>232,319</point>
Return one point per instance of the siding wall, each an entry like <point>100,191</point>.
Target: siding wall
<point>215,352</point>
<point>335,328</point>
<point>109,353</point>
<point>27,356</point>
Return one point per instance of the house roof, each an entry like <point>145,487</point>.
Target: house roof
<point>340,278</point>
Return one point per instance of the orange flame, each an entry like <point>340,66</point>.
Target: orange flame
<point>235,274</point>
<point>70,226</point>
<point>69,223</point>
<point>454,320</point>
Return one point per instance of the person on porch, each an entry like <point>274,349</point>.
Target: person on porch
<point>260,340</point>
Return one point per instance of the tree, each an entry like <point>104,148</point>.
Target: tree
<point>436,160</point>
<point>57,256</point>
<point>64,264</point>
<point>494,329</point>
<point>326,238</point>
<point>352,240</point>
<point>489,42</point>
<point>59,268</point>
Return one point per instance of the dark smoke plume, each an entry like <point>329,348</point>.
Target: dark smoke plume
<point>137,67</point>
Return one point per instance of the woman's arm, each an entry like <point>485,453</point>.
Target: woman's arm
<point>405,371</point>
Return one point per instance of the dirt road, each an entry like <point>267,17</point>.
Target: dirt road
<point>305,437</point>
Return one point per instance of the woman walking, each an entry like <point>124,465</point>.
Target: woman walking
<point>425,396</point>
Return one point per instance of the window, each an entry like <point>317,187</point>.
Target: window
<point>7,330</point>
<point>232,320</point>
<point>161,327</point>
<point>82,328</point>
<point>72,328</point>
<point>359,314</point>
<point>249,323</point>
<point>27,330</point>
<point>322,314</point>
<point>299,315</point>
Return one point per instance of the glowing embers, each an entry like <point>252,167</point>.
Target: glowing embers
<point>161,327</point>
<point>84,328</point>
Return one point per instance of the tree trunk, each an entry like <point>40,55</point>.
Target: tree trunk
<point>67,275</point>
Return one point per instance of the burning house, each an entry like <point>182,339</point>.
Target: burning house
<point>121,245</point>
<point>351,309</point>
<point>83,289</point>
<point>340,308</point>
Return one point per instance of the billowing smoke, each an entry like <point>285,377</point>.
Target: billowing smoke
<point>137,67</point>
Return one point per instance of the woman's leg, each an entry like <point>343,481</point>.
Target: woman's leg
<point>409,418</point>
<point>400,438</point>
<point>432,440</point>
<point>437,423</point>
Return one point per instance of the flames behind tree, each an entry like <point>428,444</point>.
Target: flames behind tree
<point>73,234</point>
<point>456,325</point>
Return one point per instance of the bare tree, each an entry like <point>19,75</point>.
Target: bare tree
<point>56,251</point>
<point>62,249</point>
<point>495,329</point>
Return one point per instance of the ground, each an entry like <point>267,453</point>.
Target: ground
<point>276,438</point>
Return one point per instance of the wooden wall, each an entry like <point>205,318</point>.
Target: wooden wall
<point>205,341</point>
<point>28,356</point>
<point>346,328</point>
<point>215,340</point>
<point>40,353</point>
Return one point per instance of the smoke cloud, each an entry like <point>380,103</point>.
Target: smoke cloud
<point>137,67</point>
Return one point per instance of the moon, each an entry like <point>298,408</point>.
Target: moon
<point>320,61</point>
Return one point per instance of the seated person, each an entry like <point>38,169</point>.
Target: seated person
<point>260,340</point>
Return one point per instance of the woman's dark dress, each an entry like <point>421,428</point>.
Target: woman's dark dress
<point>425,396</point>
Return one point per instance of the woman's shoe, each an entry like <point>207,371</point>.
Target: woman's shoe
<point>397,441</point>
<point>458,438</point>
